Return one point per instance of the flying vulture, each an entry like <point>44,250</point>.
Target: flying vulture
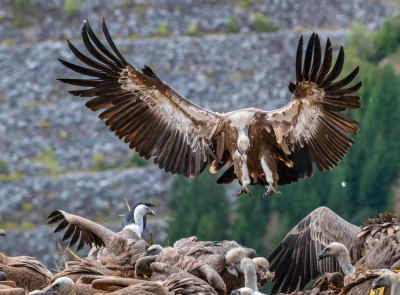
<point>256,146</point>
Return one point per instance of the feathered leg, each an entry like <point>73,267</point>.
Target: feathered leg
<point>269,166</point>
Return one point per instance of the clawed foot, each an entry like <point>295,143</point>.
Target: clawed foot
<point>243,190</point>
<point>270,191</point>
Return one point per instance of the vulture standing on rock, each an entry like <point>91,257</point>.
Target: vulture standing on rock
<point>120,248</point>
<point>256,146</point>
<point>373,246</point>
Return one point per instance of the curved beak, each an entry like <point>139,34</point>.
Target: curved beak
<point>151,213</point>
<point>321,255</point>
<point>375,284</point>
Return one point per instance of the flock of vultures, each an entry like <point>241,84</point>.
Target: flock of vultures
<point>323,253</point>
<point>340,257</point>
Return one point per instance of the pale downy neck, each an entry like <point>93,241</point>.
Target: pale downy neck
<point>395,284</point>
<point>250,276</point>
<point>138,218</point>
<point>345,262</point>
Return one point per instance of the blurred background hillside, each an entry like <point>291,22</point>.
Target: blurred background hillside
<point>222,55</point>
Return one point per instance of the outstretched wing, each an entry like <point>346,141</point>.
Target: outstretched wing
<point>142,110</point>
<point>295,259</point>
<point>311,126</point>
<point>80,229</point>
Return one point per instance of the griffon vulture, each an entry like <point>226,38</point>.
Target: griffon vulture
<point>256,146</point>
<point>295,260</point>
<point>122,248</point>
<point>391,280</point>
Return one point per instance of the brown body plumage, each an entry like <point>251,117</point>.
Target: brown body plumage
<point>27,272</point>
<point>256,146</point>
<point>177,281</point>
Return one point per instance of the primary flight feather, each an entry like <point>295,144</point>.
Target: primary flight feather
<point>256,146</point>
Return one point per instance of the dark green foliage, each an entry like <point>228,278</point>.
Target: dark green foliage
<point>388,39</point>
<point>198,207</point>
<point>251,220</point>
<point>138,161</point>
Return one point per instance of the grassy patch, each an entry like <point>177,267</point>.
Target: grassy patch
<point>49,159</point>
<point>11,177</point>
<point>72,7</point>
<point>193,31</point>
<point>26,225</point>
<point>23,11</point>
<point>163,30</point>
<point>98,160</point>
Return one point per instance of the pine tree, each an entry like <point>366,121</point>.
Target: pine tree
<point>198,207</point>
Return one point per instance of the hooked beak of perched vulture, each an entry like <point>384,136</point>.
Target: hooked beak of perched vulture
<point>254,146</point>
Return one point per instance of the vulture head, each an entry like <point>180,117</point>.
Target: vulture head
<point>153,250</point>
<point>62,286</point>
<point>138,214</point>
<point>389,279</point>
<point>262,269</point>
<point>340,252</point>
<point>333,250</point>
<point>234,256</point>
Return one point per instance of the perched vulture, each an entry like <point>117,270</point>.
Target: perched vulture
<point>256,146</point>
<point>295,260</point>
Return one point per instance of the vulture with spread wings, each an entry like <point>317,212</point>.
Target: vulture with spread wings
<point>296,262</point>
<point>256,146</point>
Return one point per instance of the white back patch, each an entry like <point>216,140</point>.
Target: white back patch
<point>242,118</point>
<point>135,228</point>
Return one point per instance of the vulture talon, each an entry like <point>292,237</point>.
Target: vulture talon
<point>243,190</point>
<point>270,190</point>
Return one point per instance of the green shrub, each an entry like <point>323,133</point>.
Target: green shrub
<point>23,11</point>
<point>138,161</point>
<point>49,159</point>
<point>193,31</point>
<point>231,26</point>
<point>163,30</point>
<point>72,7</point>
<point>263,24</point>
